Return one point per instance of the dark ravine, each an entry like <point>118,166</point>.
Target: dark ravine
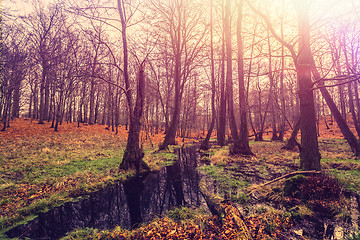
<point>126,204</point>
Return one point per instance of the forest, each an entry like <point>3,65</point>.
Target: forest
<point>193,119</point>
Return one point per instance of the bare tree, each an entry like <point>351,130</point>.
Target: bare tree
<point>205,143</point>
<point>309,152</point>
<point>13,72</point>
<point>179,20</point>
<point>244,147</point>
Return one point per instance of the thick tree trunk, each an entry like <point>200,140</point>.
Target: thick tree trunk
<point>309,152</point>
<point>235,149</point>
<point>133,154</point>
<point>244,147</point>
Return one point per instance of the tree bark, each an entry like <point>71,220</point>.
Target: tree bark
<point>303,60</point>
<point>344,128</point>
<point>171,131</point>
<point>244,147</point>
<point>352,109</point>
<point>222,106</point>
<point>205,143</point>
<point>282,94</point>
<point>174,124</point>
<point>309,152</point>
<point>292,142</point>
<point>235,148</point>
<point>133,155</point>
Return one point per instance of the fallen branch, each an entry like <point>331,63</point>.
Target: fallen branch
<point>282,177</point>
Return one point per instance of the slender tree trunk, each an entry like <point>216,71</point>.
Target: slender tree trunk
<point>92,101</point>
<point>352,109</point>
<point>30,105</point>
<point>205,143</point>
<point>222,108</point>
<point>174,124</point>
<point>272,94</point>
<point>357,103</point>
<point>344,128</point>
<point>324,114</point>
<point>42,91</point>
<point>342,100</point>
<point>282,94</point>
<point>6,110</point>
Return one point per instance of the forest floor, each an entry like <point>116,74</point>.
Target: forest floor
<point>41,169</point>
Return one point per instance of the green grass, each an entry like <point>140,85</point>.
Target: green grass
<point>181,213</point>
<point>79,234</point>
<point>158,159</point>
<point>349,178</point>
<point>39,173</point>
<point>80,164</point>
<point>226,184</point>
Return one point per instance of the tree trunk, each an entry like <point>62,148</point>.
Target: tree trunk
<point>92,101</point>
<point>292,142</point>
<point>282,94</point>
<point>235,149</point>
<point>221,126</point>
<point>133,155</point>
<point>42,91</point>
<point>309,152</point>
<point>352,109</point>
<point>205,143</point>
<point>344,128</point>
<point>244,147</point>
<point>16,100</point>
<point>357,101</point>
<point>174,124</point>
<point>342,100</point>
